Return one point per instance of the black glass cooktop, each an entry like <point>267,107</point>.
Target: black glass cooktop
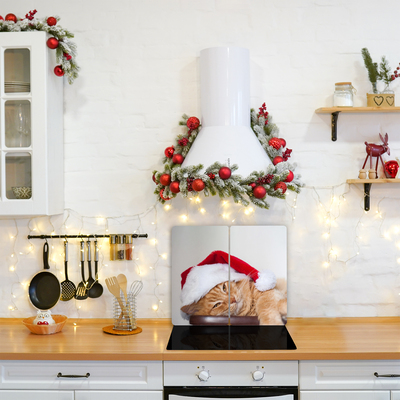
<point>230,338</point>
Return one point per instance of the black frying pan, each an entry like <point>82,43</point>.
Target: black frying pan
<point>45,288</point>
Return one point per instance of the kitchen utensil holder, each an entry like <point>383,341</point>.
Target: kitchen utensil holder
<point>125,318</point>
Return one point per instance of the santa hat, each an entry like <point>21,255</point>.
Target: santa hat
<point>198,280</point>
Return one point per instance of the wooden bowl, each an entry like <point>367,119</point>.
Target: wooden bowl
<point>60,321</point>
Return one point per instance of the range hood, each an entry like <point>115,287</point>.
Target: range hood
<point>226,135</point>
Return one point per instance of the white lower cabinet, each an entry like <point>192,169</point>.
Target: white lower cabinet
<point>345,380</point>
<point>35,395</point>
<point>117,395</point>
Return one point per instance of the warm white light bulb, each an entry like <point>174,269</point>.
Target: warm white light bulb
<point>155,307</point>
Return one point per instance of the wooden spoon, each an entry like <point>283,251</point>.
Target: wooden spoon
<point>123,284</point>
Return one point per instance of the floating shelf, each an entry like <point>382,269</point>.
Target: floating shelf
<point>367,187</point>
<point>335,111</point>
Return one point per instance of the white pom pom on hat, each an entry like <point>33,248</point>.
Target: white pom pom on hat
<point>198,280</point>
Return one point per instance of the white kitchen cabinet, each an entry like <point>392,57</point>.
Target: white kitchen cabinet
<point>118,395</point>
<point>31,127</point>
<point>35,395</point>
<point>345,395</point>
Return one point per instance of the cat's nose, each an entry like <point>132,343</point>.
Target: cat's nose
<point>233,300</point>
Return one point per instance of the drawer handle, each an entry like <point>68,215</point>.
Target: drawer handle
<point>386,376</point>
<point>60,375</point>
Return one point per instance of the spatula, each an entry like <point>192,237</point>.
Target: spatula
<point>123,284</point>
<point>115,290</point>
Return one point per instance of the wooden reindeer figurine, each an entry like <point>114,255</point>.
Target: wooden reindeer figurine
<point>376,150</point>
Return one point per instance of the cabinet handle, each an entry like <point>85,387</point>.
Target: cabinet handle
<point>386,376</point>
<point>60,375</point>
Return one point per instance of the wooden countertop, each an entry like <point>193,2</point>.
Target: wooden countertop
<point>315,338</point>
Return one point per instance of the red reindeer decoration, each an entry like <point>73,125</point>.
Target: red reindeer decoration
<point>376,150</point>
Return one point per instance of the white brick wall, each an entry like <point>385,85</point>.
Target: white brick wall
<point>139,74</point>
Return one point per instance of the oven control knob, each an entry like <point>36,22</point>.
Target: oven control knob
<point>204,375</point>
<point>257,375</point>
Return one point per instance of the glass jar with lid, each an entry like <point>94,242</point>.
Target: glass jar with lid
<point>343,95</point>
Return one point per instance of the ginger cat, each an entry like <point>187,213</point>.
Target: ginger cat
<point>269,306</point>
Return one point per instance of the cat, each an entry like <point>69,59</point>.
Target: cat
<point>269,306</point>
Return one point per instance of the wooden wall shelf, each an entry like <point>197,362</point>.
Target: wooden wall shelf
<point>335,111</point>
<point>367,187</point>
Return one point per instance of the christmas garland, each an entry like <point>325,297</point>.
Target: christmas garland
<point>218,178</point>
<point>65,48</point>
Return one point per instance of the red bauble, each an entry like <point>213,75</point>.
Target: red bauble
<point>177,159</point>
<point>198,185</point>
<point>277,160</point>
<point>161,195</point>
<point>391,168</point>
<point>174,187</point>
<point>275,143</point>
<point>225,173</point>
<point>52,43</point>
<point>67,56</point>
<point>165,179</point>
<point>283,142</point>
<point>289,177</point>
<point>169,151</point>
<point>281,185</point>
<point>58,70</point>
<point>51,21</point>
<point>11,17</point>
<point>193,123</point>
<point>253,185</point>
<point>154,179</point>
<point>259,192</point>
<point>1,18</point>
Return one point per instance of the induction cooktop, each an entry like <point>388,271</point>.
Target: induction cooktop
<point>229,337</point>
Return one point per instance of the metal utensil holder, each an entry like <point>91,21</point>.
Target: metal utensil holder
<point>125,316</point>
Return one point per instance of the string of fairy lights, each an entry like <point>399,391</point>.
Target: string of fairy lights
<point>228,213</point>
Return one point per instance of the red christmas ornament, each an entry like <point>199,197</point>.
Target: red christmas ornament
<point>277,160</point>
<point>165,179</point>
<point>183,142</point>
<point>391,168</point>
<point>52,43</point>
<point>281,185</point>
<point>198,185</point>
<point>174,187</point>
<point>51,21</point>
<point>283,142</point>
<point>11,17</point>
<point>211,175</point>
<point>177,159</point>
<point>67,56</point>
<point>289,177</point>
<point>169,151</point>
<point>275,143</point>
<point>193,123</point>
<point>164,198</point>
<point>259,192</point>
<point>1,18</point>
<point>154,179</point>
<point>253,185</point>
<point>225,173</point>
<point>58,70</point>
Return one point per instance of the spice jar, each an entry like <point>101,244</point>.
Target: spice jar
<point>128,247</point>
<point>113,247</point>
<point>343,95</point>
<point>120,247</point>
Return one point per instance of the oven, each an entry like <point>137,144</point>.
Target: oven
<point>211,380</point>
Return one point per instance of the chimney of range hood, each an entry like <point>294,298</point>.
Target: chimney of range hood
<point>226,134</point>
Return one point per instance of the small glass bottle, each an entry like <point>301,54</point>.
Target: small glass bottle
<point>120,247</point>
<point>343,95</point>
<point>113,247</point>
<point>128,247</point>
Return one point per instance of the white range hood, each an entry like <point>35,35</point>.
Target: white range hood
<point>226,135</point>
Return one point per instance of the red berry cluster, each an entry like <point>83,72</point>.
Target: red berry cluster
<point>396,73</point>
<point>183,142</point>
<point>263,113</point>
<point>30,15</point>
<point>265,179</point>
<point>286,154</point>
<point>211,176</point>
<point>189,184</point>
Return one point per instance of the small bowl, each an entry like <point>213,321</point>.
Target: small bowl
<point>60,321</point>
<point>22,192</point>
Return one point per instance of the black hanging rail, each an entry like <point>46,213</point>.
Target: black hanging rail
<point>134,236</point>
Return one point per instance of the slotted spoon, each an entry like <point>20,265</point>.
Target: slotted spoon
<point>68,288</point>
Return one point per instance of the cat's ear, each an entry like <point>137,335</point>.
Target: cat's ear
<point>190,308</point>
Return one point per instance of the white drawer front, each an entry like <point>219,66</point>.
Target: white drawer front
<point>35,395</point>
<point>346,395</point>
<point>237,373</point>
<point>349,375</point>
<point>123,375</point>
<point>118,395</point>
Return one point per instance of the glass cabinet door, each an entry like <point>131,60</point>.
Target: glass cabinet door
<point>18,176</point>
<point>17,123</point>
<point>17,67</point>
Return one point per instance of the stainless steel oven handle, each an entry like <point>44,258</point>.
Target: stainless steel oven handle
<point>386,376</point>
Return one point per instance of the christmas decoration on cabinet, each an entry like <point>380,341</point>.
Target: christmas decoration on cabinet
<point>60,40</point>
<point>219,178</point>
<point>375,150</point>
